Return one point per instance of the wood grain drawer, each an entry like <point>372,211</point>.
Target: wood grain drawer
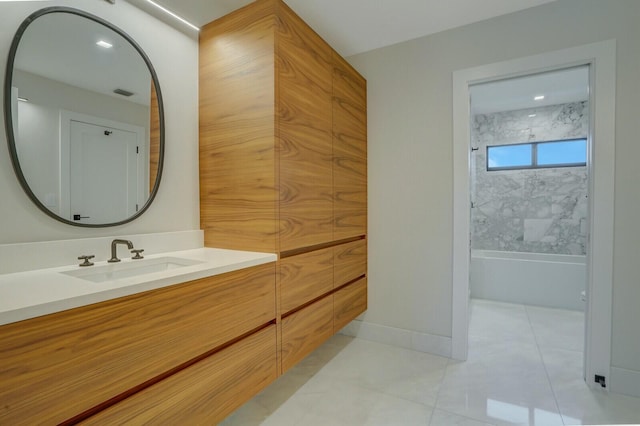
<point>55,367</point>
<point>348,303</point>
<point>350,262</point>
<point>206,392</point>
<point>305,277</point>
<point>305,330</point>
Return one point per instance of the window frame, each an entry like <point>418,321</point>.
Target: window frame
<point>534,156</point>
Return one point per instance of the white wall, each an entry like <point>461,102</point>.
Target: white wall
<point>39,145</point>
<point>410,158</point>
<point>175,59</point>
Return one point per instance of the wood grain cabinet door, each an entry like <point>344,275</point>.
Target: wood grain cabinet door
<point>349,150</point>
<point>238,193</point>
<point>304,66</point>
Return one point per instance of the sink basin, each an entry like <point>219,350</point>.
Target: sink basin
<point>128,269</point>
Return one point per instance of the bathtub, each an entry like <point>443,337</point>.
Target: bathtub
<point>551,280</point>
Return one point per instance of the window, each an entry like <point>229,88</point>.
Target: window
<point>537,155</point>
<point>562,153</point>
<point>509,156</point>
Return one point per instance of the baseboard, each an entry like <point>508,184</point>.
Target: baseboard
<point>625,381</point>
<point>409,339</point>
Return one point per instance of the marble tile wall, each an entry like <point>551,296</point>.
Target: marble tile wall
<point>540,211</point>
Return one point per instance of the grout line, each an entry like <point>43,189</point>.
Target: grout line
<point>435,402</point>
<point>544,365</point>
<point>444,375</point>
<point>473,419</point>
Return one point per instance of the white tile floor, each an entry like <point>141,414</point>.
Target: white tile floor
<point>524,367</point>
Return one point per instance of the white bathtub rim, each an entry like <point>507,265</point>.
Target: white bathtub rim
<point>528,256</point>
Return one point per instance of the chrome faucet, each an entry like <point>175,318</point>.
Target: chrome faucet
<point>114,245</point>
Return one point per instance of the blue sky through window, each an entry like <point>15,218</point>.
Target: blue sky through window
<point>567,152</point>
<point>509,156</point>
<point>537,155</point>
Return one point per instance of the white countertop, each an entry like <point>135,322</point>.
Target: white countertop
<point>39,292</point>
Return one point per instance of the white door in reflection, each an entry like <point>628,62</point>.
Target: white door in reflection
<point>103,173</point>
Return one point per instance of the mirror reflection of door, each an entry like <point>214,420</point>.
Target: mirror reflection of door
<point>103,173</point>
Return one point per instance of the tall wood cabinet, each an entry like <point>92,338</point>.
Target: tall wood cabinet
<point>282,134</point>
<point>283,165</point>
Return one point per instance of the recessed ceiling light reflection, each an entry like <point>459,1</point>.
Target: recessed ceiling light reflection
<point>538,98</point>
<point>104,44</point>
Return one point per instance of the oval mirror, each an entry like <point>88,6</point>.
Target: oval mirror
<point>84,118</point>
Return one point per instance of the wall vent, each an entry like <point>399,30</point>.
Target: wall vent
<point>123,92</point>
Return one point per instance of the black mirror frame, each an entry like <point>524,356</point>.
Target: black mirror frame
<point>8,118</point>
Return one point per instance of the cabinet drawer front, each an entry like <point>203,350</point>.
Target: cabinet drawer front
<point>55,367</point>
<point>305,277</point>
<point>350,262</point>
<point>349,302</point>
<point>305,330</point>
<point>206,392</point>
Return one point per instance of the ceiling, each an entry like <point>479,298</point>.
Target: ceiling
<point>54,41</point>
<point>356,26</point>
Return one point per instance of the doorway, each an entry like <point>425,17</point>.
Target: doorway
<point>529,139</point>
<point>600,57</point>
<point>103,173</point>
<point>104,170</point>
<point>529,188</point>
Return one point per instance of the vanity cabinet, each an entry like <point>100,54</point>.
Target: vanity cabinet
<point>204,393</point>
<point>66,366</point>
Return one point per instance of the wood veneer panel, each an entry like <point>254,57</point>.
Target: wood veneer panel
<point>238,178</point>
<point>304,68</point>
<point>349,150</point>
<point>154,138</point>
<point>305,330</point>
<point>348,303</point>
<point>305,277</point>
<point>206,392</point>
<point>350,262</point>
<point>55,367</point>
